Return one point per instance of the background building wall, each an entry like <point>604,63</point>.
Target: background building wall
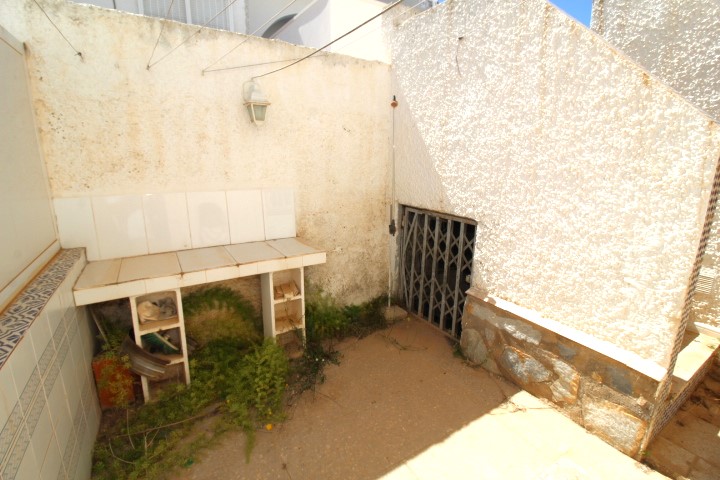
<point>678,43</point>
<point>326,20</point>
<point>110,126</point>
<point>589,179</point>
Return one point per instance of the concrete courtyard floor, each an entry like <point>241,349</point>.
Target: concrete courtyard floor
<point>401,406</point>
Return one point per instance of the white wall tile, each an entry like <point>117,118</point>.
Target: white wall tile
<point>40,334</point>
<point>245,216</point>
<point>55,311</point>
<point>166,222</point>
<point>73,373</point>
<point>53,461</point>
<point>279,213</point>
<point>23,362</point>
<point>60,414</point>
<point>103,294</point>
<point>208,215</point>
<point>76,224</point>
<point>120,226</point>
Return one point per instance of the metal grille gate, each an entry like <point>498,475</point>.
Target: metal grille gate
<point>436,255</point>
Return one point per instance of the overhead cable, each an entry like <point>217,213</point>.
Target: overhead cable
<point>207,69</point>
<point>192,35</point>
<point>167,14</point>
<point>77,52</point>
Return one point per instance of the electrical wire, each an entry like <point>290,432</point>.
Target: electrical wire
<point>162,28</point>
<point>77,52</point>
<point>398,2</point>
<point>191,35</point>
<point>207,69</point>
<point>248,65</point>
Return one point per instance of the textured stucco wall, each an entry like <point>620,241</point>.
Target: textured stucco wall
<point>110,126</point>
<point>679,43</point>
<point>589,180</point>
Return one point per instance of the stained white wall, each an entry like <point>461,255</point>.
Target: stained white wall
<point>589,179</point>
<point>27,230</point>
<point>109,126</point>
<point>677,42</point>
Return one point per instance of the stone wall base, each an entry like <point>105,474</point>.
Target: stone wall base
<point>608,398</point>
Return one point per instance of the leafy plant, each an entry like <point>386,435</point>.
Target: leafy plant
<point>255,397</point>
<point>235,384</point>
<point>232,385</point>
<point>220,312</point>
<point>325,319</point>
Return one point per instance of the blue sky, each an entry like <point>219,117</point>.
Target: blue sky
<point>580,9</point>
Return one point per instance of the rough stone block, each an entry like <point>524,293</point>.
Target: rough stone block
<point>519,330</point>
<point>567,352</point>
<point>394,314</point>
<point>522,367</point>
<point>473,346</point>
<point>614,424</point>
<point>565,388</point>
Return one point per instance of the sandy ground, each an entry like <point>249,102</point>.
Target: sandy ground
<point>401,405</point>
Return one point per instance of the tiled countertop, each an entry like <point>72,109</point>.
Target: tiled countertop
<point>127,277</point>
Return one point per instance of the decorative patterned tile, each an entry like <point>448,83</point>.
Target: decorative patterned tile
<point>58,335</point>
<point>73,462</point>
<point>18,317</point>
<point>10,431</point>
<point>16,456</point>
<point>52,376</point>
<point>16,433</point>
<point>70,448</point>
<point>37,407</point>
<point>62,353</point>
<point>46,358</point>
<point>30,391</point>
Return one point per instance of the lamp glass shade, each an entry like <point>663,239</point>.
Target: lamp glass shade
<point>255,101</point>
<point>257,111</point>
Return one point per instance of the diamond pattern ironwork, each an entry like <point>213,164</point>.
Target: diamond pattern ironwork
<point>436,254</point>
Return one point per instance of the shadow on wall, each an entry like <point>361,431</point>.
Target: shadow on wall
<point>412,159</point>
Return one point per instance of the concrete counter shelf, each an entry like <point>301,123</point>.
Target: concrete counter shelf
<point>161,276</point>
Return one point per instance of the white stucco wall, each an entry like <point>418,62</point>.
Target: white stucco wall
<point>109,126</point>
<point>589,179</point>
<point>679,43</point>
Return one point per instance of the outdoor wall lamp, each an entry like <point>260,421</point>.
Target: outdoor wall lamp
<point>255,101</point>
